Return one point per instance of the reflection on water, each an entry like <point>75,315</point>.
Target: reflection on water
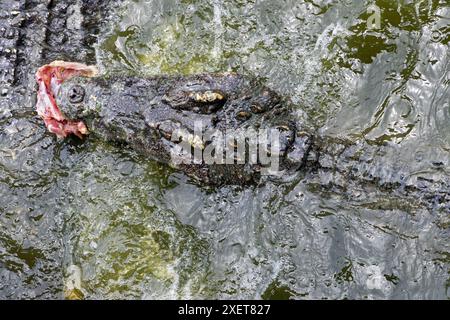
<point>139,230</point>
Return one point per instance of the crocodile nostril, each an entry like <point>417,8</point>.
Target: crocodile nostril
<point>243,115</point>
<point>76,94</point>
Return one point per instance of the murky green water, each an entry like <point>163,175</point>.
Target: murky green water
<point>139,230</point>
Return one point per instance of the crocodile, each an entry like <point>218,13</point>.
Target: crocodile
<point>148,115</point>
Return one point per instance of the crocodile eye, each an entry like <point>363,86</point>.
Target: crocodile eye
<point>76,94</point>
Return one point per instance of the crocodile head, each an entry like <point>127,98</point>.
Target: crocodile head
<point>216,127</point>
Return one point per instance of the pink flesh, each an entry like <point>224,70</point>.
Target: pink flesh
<point>49,78</point>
